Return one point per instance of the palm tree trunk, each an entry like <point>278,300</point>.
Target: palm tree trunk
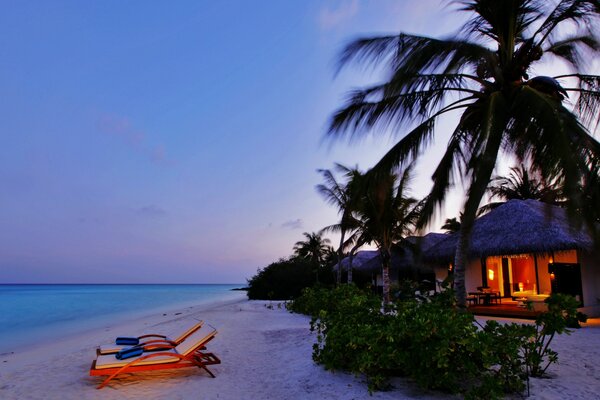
<point>351,255</point>
<point>385,262</point>
<point>340,254</point>
<point>350,267</point>
<point>460,262</point>
<point>461,255</point>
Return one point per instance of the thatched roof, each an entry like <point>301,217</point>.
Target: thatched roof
<point>517,227</point>
<point>403,256</point>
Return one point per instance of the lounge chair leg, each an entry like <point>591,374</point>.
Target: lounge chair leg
<point>207,370</point>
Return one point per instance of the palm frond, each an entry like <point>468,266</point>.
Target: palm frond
<point>587,105</point>
<point>500,20</point>
<point>575,49</point>
<point>579,12</point>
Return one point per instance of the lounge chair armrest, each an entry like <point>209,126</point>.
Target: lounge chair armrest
<point>151,335</point>
<point>158,341</point>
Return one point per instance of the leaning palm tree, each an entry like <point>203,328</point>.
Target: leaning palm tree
<point>386,216</point>
<point>482,74</point>
<point>522,184</point>
<point>343,196</point>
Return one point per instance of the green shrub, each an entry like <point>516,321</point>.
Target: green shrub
<point>562,314</point>
<point>429,340</point>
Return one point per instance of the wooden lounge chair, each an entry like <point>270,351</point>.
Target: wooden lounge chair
<point>151,342</point>
<point>188,353</point>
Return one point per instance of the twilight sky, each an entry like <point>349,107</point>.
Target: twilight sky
<point>177,141</point>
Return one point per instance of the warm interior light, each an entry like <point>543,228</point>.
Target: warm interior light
<point>491,274</point>
<point>552,276</point>
<point>550,261</point>
<point>450,267</point>
<point>520,286</point>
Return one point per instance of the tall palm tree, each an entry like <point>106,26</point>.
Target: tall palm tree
<point>482,74</point>
<point>522,183</point>
<point>343,196</point>
<point>314,248</point>
<point>386,216</point>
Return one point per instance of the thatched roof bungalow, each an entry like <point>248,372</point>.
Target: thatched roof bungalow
<point>527,247</point>
<point>517,227</point>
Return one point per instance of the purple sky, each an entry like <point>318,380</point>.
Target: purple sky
<point>178,141</point>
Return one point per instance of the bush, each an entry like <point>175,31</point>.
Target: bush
<point>428,340</point>
<point>284,279</point>
<point>562,314</point>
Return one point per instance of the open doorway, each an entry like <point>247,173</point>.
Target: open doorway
<point>566,278</point>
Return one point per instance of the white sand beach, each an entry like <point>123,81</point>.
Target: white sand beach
<point>265,353</point>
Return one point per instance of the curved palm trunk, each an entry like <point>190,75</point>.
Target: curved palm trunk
<point>476,192</point>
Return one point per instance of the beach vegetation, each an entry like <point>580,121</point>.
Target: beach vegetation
<point>314,249</point>
<point>481,74</point>
<point>285,279</point>
<point>430,341</point>
<point>562,314</point>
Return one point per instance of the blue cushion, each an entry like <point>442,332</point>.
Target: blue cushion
<point>127,341</point>
<point>129,352</point>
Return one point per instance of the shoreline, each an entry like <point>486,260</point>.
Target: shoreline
<point>141,324</point>
<point>265,353</point>
<point>73,325</point>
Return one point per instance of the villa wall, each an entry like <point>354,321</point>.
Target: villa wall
<point>590,278</point>
<point>473,277</point>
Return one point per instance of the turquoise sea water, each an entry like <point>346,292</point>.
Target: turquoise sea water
<point>28,312</point>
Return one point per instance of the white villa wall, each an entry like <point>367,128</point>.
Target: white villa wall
<point>473,277</point>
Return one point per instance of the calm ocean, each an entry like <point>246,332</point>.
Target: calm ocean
<point>28,312</point>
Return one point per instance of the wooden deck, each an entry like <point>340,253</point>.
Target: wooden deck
<point>507,309</point>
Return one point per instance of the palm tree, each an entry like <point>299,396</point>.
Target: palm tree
<point>482,73</point>
<point>452,225</point>
<point>314,248</point>
<point>342,196</point>
<point>386,216</point>
<point>522,184</point>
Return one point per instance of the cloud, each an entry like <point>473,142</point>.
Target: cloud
<point>122,128</point>
<point>293,224</point>
<point>332,17</point>
<point>151,211</point>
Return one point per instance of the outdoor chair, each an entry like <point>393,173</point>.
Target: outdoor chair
<point>188,353</point>
<point>472,300</point>
<point>151,342</point>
